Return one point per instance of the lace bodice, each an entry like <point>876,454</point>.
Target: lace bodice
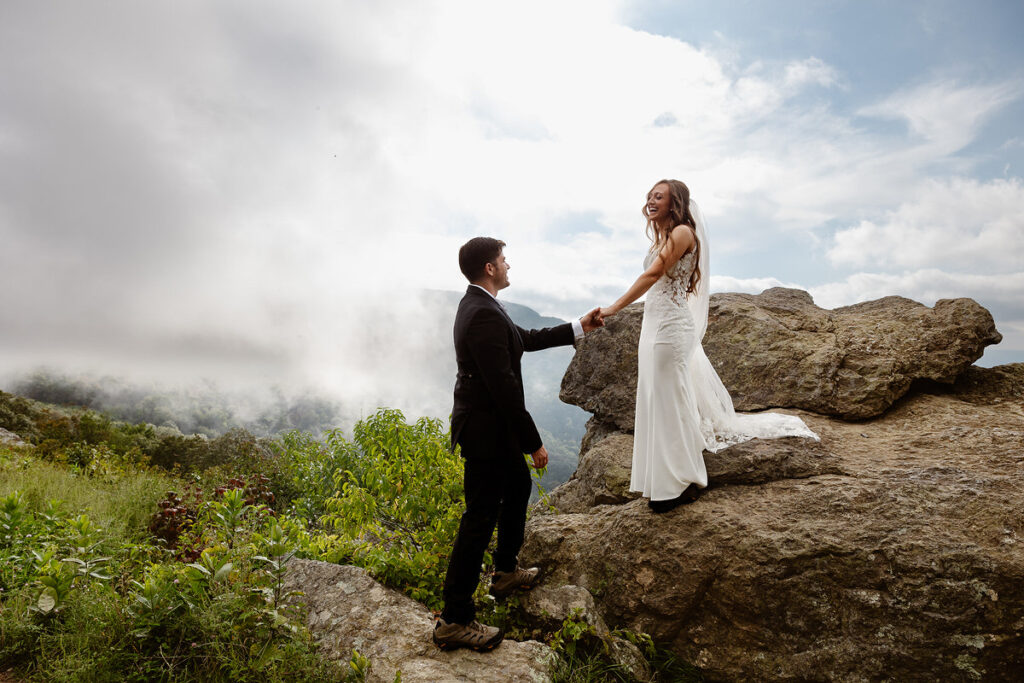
<point>672,285</point>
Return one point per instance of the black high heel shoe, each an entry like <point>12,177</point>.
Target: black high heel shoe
<point>689,494</point>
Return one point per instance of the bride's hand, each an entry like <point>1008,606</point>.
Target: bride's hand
<point>607,312</point>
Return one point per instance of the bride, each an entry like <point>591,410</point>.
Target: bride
<point>682,407</point>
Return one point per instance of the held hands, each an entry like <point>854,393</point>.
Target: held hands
<point>595,319</point>
<point>591,321</point>
<point>540,457</point>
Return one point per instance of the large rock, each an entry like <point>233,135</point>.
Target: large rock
<point>777,349</point>
<point>602,477</point>
<point>894,553</point>
<point>760,461</point>
<point>10,438</point>
<point>349,611</point>
<point>991,385</point>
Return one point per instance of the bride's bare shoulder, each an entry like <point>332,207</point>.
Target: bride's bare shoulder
<point>684,237</point>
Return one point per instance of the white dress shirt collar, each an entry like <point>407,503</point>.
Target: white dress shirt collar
<point>471,284</point>
<point>577,326</point>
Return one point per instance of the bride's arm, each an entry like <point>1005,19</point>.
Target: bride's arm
<point>679,242</point>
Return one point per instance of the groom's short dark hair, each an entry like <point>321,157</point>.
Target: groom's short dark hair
<point>476,254</point>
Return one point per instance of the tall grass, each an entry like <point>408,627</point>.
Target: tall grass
<point>121,505</point>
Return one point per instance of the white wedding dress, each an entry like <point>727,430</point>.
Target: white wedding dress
<point>682,407</point>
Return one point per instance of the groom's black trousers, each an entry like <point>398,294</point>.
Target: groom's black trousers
<point>497,493</point>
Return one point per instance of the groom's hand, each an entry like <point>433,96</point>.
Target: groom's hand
<point>591,321</point>
<point>540,457</point>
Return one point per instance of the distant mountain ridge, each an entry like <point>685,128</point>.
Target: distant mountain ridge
<point>524,316</point>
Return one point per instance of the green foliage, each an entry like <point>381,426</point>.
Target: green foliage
<point>104,578</point>
<point>120,502</point>
<point>584,656</point>
<point>234,451</point>
<point>18,415</point>
<point>397,504</point>
<point>359,667</point>
<point>667,666</point>
<point>305,480</point>
<point>99,446</point>
<point>82,602</point>
<point>222,617</point>
<point>574,628</point>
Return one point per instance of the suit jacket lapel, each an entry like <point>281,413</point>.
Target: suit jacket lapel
<point>494,302</point>
<point>515,330</point>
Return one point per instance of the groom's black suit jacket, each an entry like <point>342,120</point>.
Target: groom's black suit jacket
<point>490,417</point>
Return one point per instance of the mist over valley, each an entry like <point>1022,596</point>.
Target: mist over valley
<point>396,354</point>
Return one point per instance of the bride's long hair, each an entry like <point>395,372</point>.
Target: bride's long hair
<point>681,215</point>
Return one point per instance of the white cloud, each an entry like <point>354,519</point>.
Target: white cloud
<point>752,285</point>
<point>810,71</point>
<point>251,169</point>
<point>927,286</point>
<point>944,114</point>
<point>960,224</point>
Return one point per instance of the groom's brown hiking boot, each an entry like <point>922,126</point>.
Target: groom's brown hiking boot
<point>474,635</point>
<point>504,583</point>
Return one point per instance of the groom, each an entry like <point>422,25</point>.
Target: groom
<point>491,424</point>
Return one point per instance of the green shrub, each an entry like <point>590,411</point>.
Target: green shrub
<point>304,478</point>
<point>397,505</point>
<point>81,603</point>
<point>18,415</point>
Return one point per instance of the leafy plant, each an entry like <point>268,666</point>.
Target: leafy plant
<point>55,580</point>
<point>174,516</point>
<point>359,667</point>
<point>279,551</point>
<point>574,628</point>
<point>12,516</point>
<point>398,505</point>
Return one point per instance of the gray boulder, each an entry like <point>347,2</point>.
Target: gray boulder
<point>601,378</point>
<point>602,477</point>
<point>349,611</point>
<point>10,438</point>
<point>777,349</point>
<point>892,550</point>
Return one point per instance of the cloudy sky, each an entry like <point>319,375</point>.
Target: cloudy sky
<point>201,189</point>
